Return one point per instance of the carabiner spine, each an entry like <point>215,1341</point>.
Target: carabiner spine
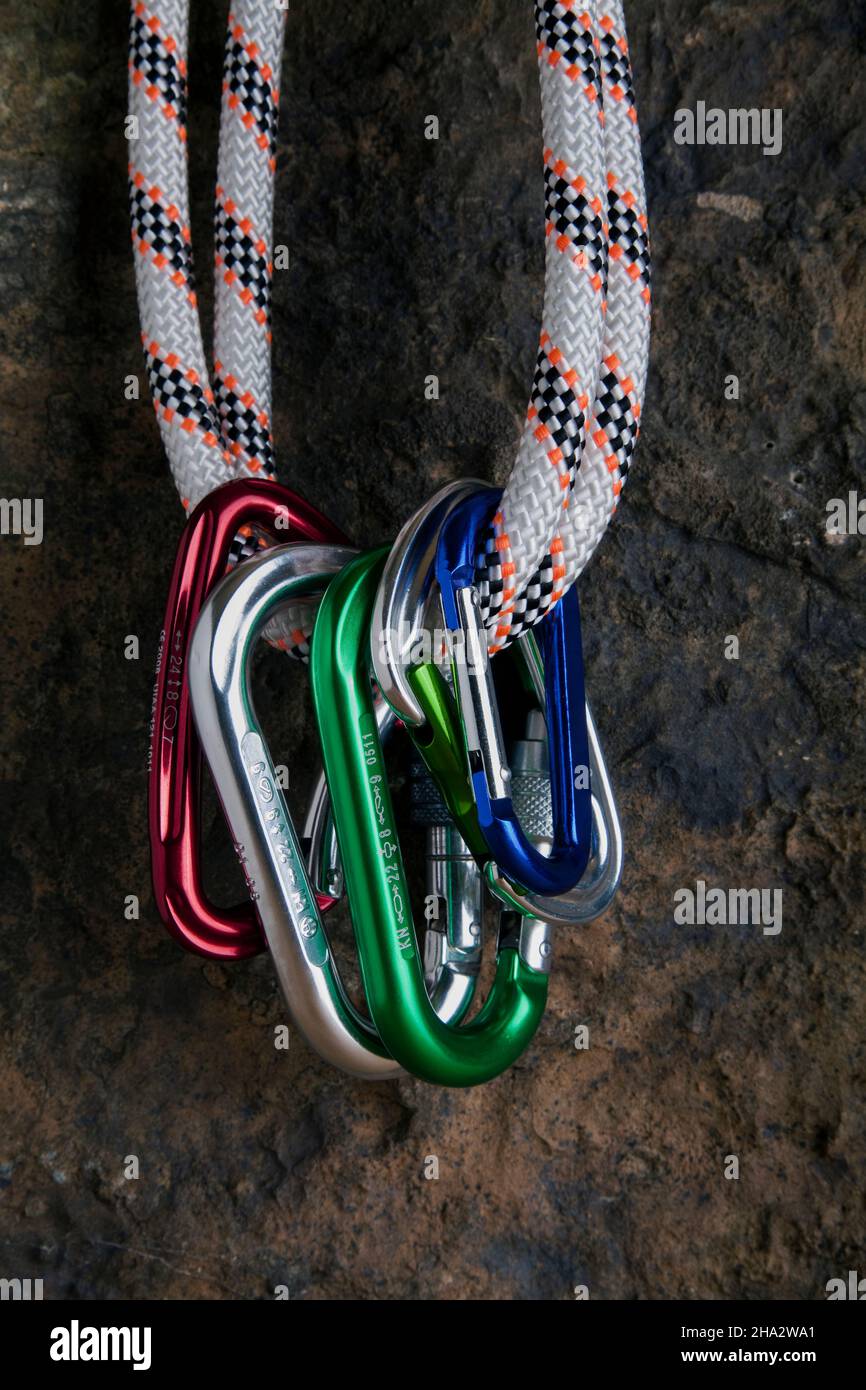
<point>174,771</point>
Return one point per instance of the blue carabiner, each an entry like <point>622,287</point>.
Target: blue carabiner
<point>558,635</point>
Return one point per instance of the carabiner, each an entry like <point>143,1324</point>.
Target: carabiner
<point>265,841</point>
<point>532,801</point>
<point>174,768</point>
<point>419,695</point>
<point>219,687</point>
<point>559,634</point>
<point>406,597</point>
<point>375,879</point>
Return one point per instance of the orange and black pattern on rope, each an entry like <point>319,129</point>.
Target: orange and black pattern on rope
<point>158,233</point>
<point>494,577</point>
<point>543,590</point>
<point>557,412</point>
<point>565,40</point>
<point>565,36</point>
<point>616,426</point>
<point>242,256</point>
<point>629,239</point>
<point>179,397</point>
<point>246,428</point>
<point>574,220</point>
<point>250,88</point>
<point>616,66</point>
<point>616,407</point>
<point>154,64</point>
<point>616,419</point>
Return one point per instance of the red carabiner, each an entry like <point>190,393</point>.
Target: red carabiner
<point>174,770</point>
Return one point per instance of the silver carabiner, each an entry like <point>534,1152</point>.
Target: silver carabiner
<point>265,841</point>
<point>407,600</point>
<point>264,837</point>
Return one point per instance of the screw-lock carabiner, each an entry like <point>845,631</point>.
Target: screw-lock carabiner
<point>595,891</point>
<point>174,773</point>
<point>559,637</point>
<point>376,882</point>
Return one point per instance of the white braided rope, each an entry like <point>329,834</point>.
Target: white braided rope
<point>571,463</point>
<point>206,444</point>
<point>159,193</point>
<point>243,231</point>
<point>621,376</point>
<point>209,439</point>
<point>621,386</point>
<point>573,316</point>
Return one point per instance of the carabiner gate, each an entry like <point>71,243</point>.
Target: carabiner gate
<point>559,634</point>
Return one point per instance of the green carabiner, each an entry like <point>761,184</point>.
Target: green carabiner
<point>373,867</point>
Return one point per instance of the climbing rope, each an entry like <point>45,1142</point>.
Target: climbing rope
<point>572,465</point>
<point>584,413</point>
<point>206,440</point>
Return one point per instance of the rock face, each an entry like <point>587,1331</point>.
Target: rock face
<point>603,1167</point>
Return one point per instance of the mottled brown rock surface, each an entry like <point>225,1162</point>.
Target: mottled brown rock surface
<point>603,1167</point>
